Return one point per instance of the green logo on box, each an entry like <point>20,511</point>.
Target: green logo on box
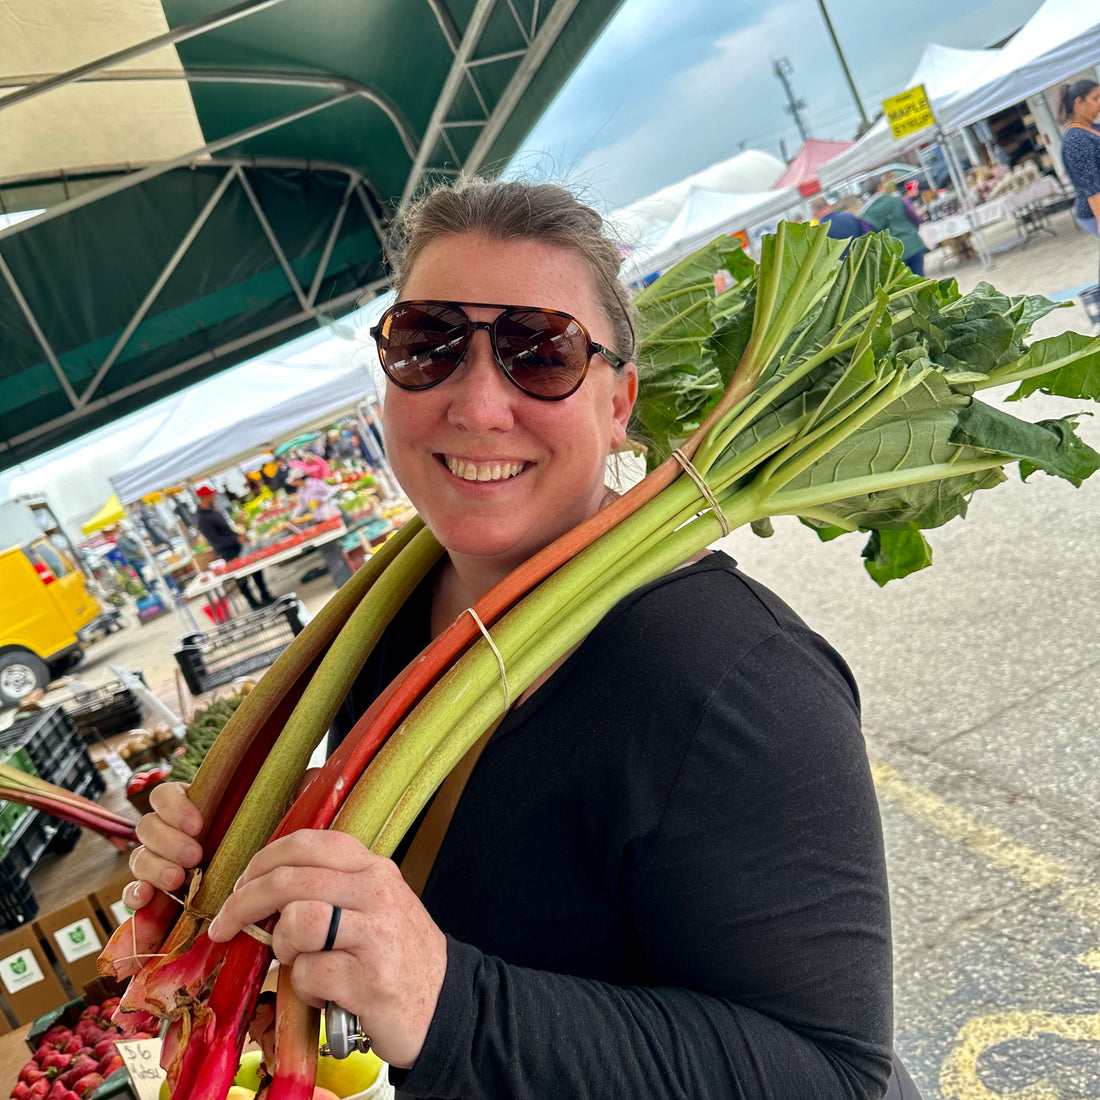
<point>76,935</point>
<point>19,965</point>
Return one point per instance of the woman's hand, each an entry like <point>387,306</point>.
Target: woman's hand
<point>167,846</point>
<point>388,960</point>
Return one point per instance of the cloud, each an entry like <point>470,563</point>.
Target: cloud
<point>676,85</point>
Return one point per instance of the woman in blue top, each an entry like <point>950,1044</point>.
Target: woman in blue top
<point>1080,103</point>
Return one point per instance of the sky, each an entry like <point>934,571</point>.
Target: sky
<point>673,86</point>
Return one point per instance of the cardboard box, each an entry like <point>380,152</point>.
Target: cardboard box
<point>108,901</point>
<point>28,983</point>
<point>76,937</point>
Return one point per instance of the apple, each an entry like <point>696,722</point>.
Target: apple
<point>323,1094</point>
<point>239,1092</point>
<point>249,1073</point>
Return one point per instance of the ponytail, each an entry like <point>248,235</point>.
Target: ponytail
<point>1069,94</point>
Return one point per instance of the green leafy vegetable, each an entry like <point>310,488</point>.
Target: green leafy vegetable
<point>842,392</point>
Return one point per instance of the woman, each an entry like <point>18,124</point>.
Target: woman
<point>1080,107</point>
<point>665,876</point>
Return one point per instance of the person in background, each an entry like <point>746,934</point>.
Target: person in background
<point>225,541</point>
<point>315,496</point>
<point>665,876</point>
<point>275,474</point>
<point>1079,105</point>
<point>886,211</point>
<point>842,223</point>
<point>129,546</point>
<point>154,526</point>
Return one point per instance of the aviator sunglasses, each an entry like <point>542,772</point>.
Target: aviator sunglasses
<point>543,352</point>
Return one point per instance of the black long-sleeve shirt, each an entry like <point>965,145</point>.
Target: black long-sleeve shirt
<point>665,877</point>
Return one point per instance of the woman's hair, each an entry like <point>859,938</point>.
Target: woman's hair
<point>513,210</point>
<point>1069,94</point>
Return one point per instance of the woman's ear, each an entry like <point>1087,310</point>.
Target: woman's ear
<point>622,403</point>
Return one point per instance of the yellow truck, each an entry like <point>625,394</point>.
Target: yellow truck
<point>46,613</point>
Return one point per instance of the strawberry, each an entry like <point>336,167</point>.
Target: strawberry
<point>31,1073</point>
<point>20,1091</point>
<point>84,1064</point>
<point>39,1090</point>
<point>89,1011</point>
<point>104,1047</point>
<point>74,1045</point>
<point>88,1084</point>
<point>55,1061</point>
<point>109,1064</point>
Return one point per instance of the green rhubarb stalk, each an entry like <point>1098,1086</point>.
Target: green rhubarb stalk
<point>282,770</point>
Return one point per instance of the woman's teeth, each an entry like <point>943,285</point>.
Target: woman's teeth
<point>484,471</point>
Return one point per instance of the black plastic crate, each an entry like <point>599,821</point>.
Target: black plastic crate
<point>102,711</point>
<point>243,645</point>
<point>49,738</point>
<point>17,903</point>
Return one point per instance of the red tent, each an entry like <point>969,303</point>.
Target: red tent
<point>802,171</point>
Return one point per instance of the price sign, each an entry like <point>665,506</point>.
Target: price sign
<point>141,1058</point>
<point>908,113</point>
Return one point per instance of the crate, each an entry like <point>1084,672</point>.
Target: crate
<point>17,903</point>
<point>50,740</point>
<point>246,644</point>
<point>105,710</point>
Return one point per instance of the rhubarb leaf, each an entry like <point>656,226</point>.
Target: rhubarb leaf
<point>891,555</point>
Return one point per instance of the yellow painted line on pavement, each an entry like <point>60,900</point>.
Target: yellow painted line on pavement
<point>1032,869</point>
<point>959,1077</point>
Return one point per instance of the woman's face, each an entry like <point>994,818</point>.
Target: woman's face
<point>1088,107</point>
<point>494,473</point>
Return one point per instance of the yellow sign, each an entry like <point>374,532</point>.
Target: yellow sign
<point>908,112</point>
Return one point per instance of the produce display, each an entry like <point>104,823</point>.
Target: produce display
<point>841,390</point>
<point>72,1061</point>
<point>201,733</point>
<point>281,543</point>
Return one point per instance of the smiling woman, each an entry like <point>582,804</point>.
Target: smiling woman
<point>664,876</point>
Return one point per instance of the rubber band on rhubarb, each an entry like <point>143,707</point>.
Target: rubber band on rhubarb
<point>496,653</point>
<point>704,488</point>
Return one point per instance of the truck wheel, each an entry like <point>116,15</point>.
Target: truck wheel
<point>21,672</point>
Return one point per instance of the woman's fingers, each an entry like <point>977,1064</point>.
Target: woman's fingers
<point>171,804</point>
<point>167,844</point>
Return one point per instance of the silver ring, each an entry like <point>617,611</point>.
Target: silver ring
<point>333,928</point>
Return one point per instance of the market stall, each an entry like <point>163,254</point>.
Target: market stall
<point>933,233</point>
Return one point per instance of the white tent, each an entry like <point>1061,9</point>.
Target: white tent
<point>1060,39</point>
<point>642,224</point>
<point>236,415</point>
<point>704,216</point>
<point>943,71</point>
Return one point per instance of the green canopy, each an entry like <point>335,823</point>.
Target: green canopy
<point>211,178</point>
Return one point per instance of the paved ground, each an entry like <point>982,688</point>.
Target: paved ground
<point>979,682</point>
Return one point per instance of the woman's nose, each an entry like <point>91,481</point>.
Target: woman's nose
<point>482,398</point>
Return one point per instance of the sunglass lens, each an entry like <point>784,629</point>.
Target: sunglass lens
<point>419,345</point>
<point>545,354</point>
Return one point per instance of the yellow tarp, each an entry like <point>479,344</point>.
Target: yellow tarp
<point>111,512</point>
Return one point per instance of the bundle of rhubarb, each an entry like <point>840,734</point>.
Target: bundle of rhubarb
<point>838,390</point>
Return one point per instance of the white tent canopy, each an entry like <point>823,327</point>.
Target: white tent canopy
<point>643,223</point>
<point>704,216</point>
<point>238,414</point>
<point>943,71</point>
<point>1060,39</point>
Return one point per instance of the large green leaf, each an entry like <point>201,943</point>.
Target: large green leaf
<point>1066,366</point>
<point>1049,445</point>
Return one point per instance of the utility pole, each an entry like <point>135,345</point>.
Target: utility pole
<point>783,69</point>
<point>864,122</point>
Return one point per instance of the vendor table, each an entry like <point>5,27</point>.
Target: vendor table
<point>932,233</point>
<point>326,543</point>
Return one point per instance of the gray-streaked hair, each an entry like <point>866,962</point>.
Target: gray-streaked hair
<point>509,210</point>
